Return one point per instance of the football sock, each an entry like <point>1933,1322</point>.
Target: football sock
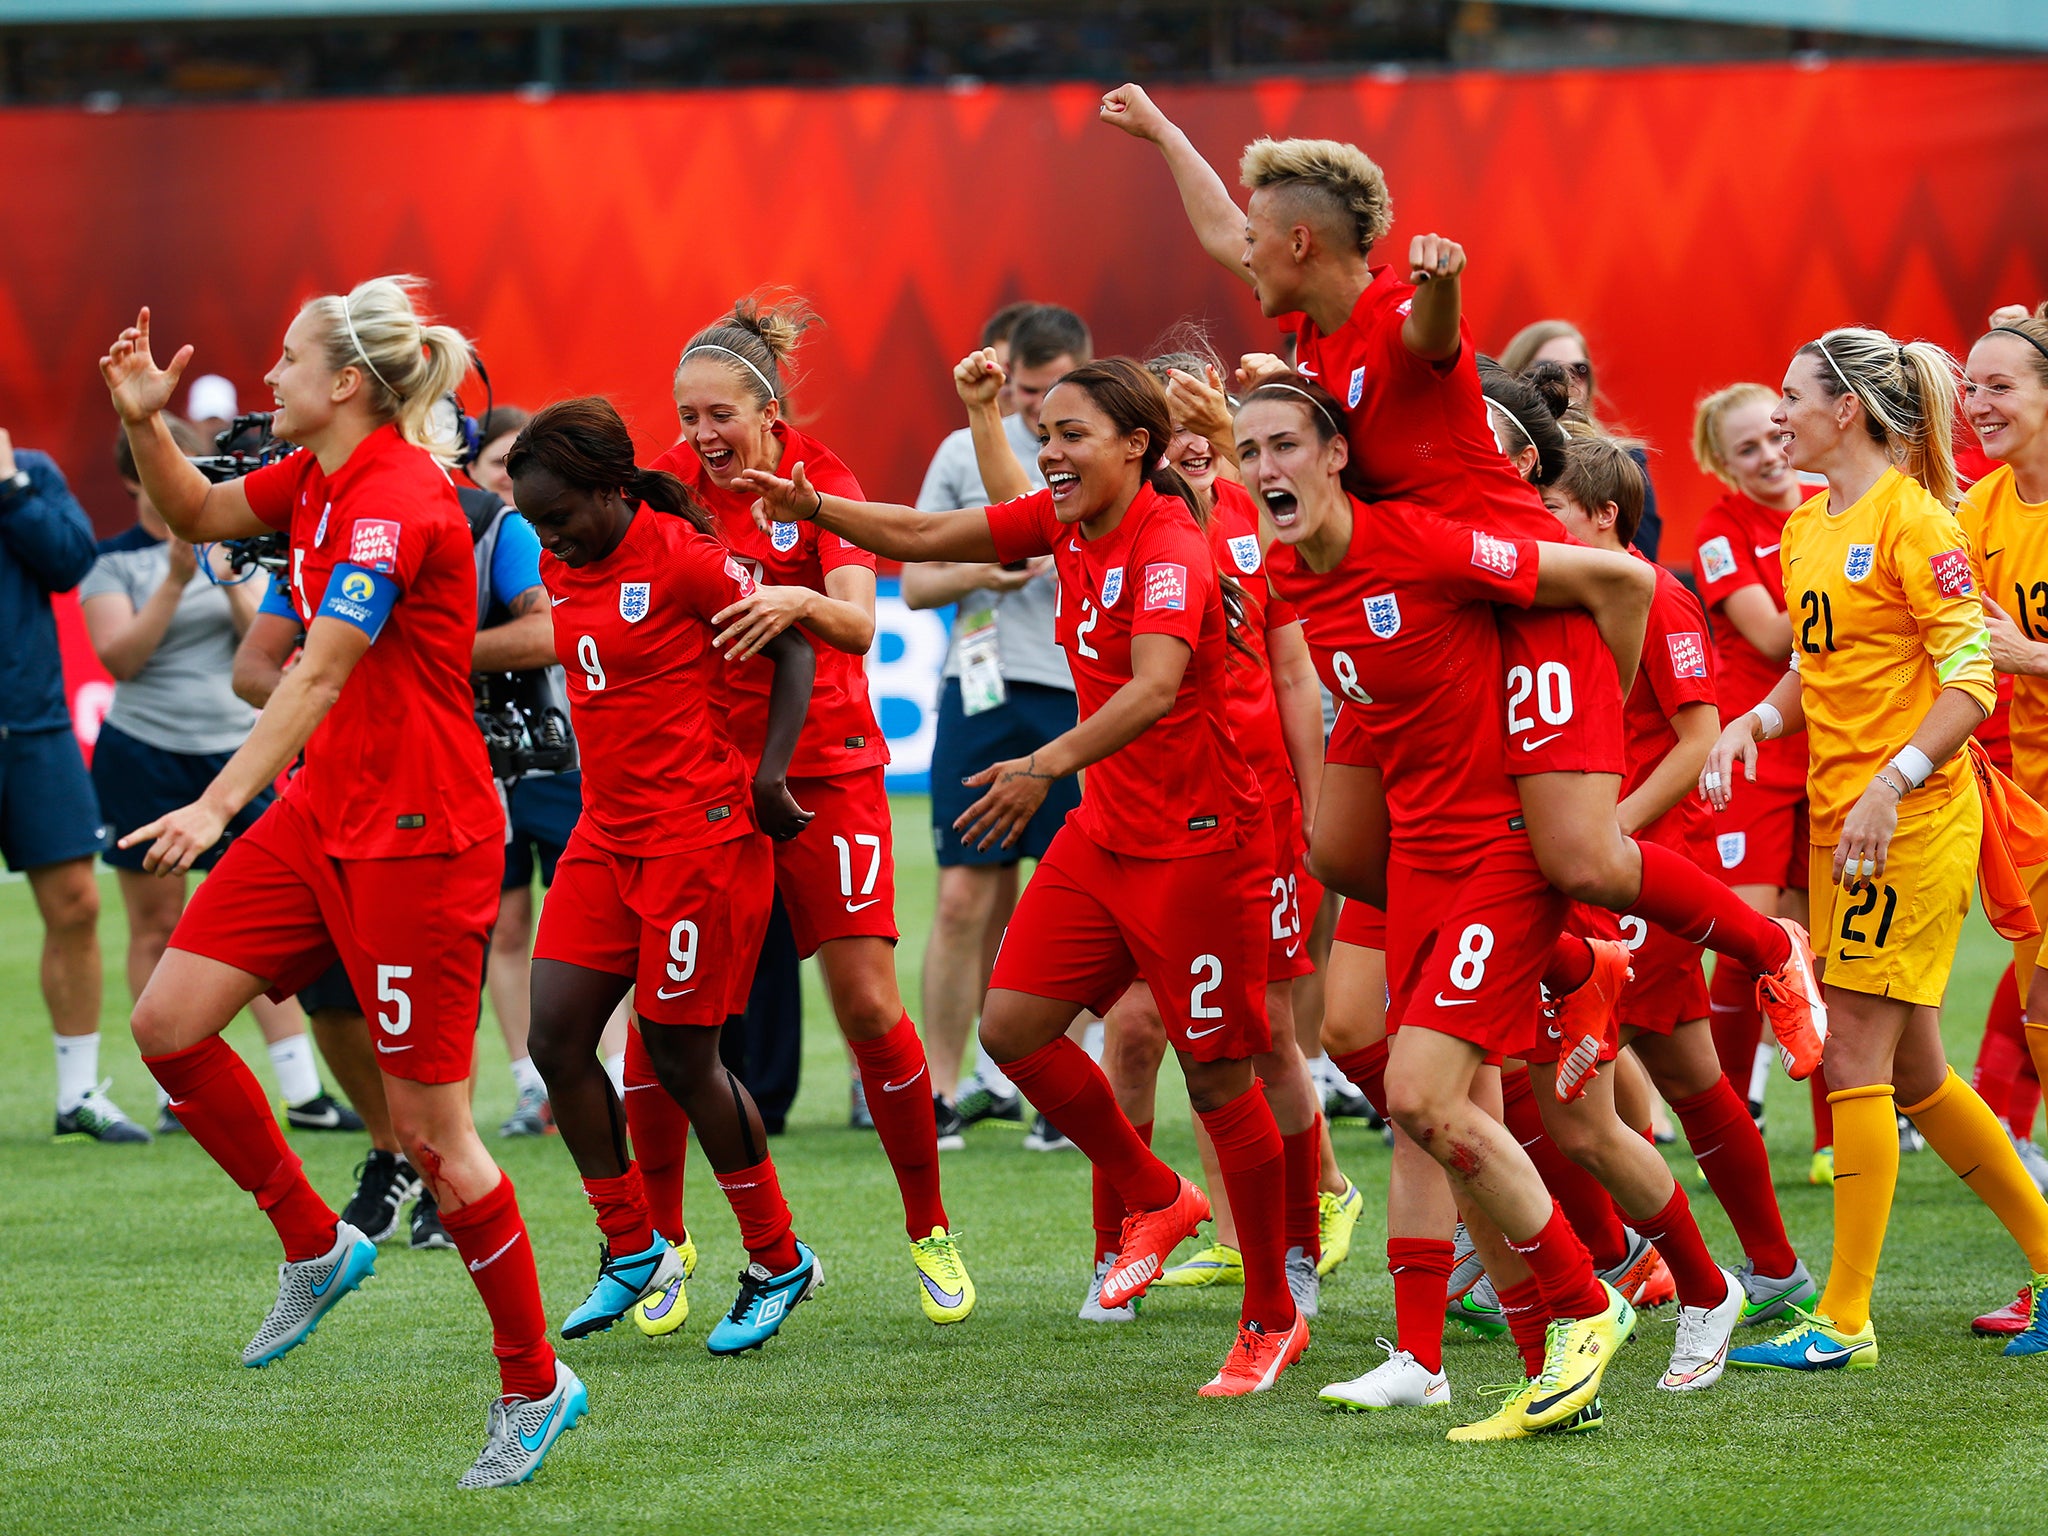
<point>1248,1149</point>
<point>1421,1267</point>
<point>2024,1101</point>
<point>1735,1021</point>
<point>1823,1109</point>
<point>1521,1306</point>
<point>1866,1173</point>
<point>1962,1129</point>
<point>1585,1201</point>
<point>1109,1205</point>
<point>621,1206</point>
<point>1367,1069</point>
<point>2004,1049</point>
<point>78,1069</point>
<point>1070,1091</point>
<point>1677,894</point>
<point>217,1098</point>
<point>1303,1152</point>
<point>1562,1268</point>
<point>526,1076</point>
<point>1700,1281</point>
<point>661,1139</point>
<point>1571,965</point>
<point>292,1061</point>
<point>2037,1047</point>
<point>892,1070</point>
<point>490,1235</point>
<point>615,1069</point>
<point>756,1197</point>
<point>1731,1154</point>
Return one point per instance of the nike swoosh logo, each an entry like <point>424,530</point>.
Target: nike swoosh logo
<point>322,1288</point>
<point>1815,1355</point>
<point>556,602</point>
<point>1292,948</point>
<point>636,1087</point>
<point>1531,746</point>
<point>1991,552</point>
<point>392,1050</point>
<point>1845,955</point>
<point>1765,549</point>
<point>940,1294</point>
<point>861,906</point>
<point>1794,559</point>
<point>534,1441</point>
<point>1454,1002</point>
<point>664,994</point>
<point>478,1264</point>
<point>1203,1034</point>
<point>660,1307</point>
<point>1545,1404</point>
<point>899,1087</point>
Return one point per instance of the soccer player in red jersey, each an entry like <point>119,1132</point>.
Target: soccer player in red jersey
<point>1397,603</point>
<point>666,883</point>
<point>1761,836</point>
<point>1398,354</point>
<point>1164,870</point>
<point>838,882</point>
<point>383,850</point>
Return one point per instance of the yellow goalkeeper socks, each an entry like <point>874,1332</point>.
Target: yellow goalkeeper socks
<point>1959,1126</point>
<point>1866,1173</point>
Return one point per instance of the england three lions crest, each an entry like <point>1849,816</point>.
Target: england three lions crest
<point>1383,614</point>
<point>783,536</point>
<point>633,600</point>
<point>1244,553</point>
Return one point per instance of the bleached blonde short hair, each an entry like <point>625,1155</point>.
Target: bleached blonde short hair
<point>1343,177</point>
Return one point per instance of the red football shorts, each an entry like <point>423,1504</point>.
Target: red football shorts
<point>1092,921</point>
<point>412,933</point>
<point>1467,948</point>
<point>1350,743</point>
<point>1361,925</point>
<point>1762,838</point>
<point>1293,891</point>
<point>686,927</point>
<point>1668,988</point>
<point>837,877</point>
<point>1564,696</point>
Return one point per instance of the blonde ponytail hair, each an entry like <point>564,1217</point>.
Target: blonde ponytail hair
<point>409,365</point>
<point>1706,425</point>
<point>1910,391</point>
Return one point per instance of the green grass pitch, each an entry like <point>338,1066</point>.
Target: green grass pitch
<point>130,1278</point>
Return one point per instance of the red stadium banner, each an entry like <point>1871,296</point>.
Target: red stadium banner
<point>1698,223</point>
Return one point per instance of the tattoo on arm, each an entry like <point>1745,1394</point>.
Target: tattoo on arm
<point>532,600</point>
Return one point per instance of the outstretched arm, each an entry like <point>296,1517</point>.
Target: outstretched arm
<point>1218,221</point>
<point>1615,589</point>
<point>894,532</point>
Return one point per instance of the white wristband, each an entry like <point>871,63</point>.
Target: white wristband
<point>1769,723</point>
<point>1913,765</point>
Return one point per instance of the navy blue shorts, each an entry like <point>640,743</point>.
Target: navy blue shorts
<point>331,989</point>
<point>48,813</point>
<point>138,783</point>
<point>1033,715</point>
<point>543,814</point>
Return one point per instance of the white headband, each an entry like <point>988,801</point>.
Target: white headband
<point>360,350</point>
<point>1311,399</point>
<point>712,346</point>
<point>1822,344</point>
<point>1494,406</point>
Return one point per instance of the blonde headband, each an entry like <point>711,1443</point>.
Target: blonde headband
<point>712,346</point>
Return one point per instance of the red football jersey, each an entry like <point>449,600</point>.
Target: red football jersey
<point>661,773</point>
<point>398,767</point>
<point>840,733</point>
<point>1677,670</point>
<point>1182,788</point>
<point>1402,631</point>
<point>1736,546</point>
<point>1419,430</point>
<point>1253,712</point>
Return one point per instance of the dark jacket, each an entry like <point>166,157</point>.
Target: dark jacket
<point>46,545</point>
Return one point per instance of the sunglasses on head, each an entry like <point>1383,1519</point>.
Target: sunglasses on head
<point>1581,370</point>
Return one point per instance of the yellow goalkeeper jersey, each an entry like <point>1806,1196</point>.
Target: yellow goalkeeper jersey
<point>2009,550</point>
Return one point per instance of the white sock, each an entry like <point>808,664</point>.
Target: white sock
<point>292,1060</point>
<point>615,1069</point>
<point>1091,1040</point>
<point>78,1069</point>
<point>526,1076</point>
<point>1760,1071</point>
<point>992,1077</point>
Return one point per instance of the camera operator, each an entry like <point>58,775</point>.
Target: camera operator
<point>166,631</point>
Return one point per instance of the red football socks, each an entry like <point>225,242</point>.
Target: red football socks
<point>755,1195</point>
<point>1585,1201</point>
<point>1109,1205</point>
<point>1571,965</point>
<point>1736,1023</point>
<point>1367,1069</point>
<point>1823,1109</point>
<point>1731,1154</point>
<point>899,1093</point>
<point>1700,1281</point>
<point>1677,894</point>
<point>621,1206</point>
<point>489,1234</point>
<point>2002,1058</point>
<point>1249,1152</point>
<point>661,1139</point>
<point>1303,1155</point>
<point>1521,1306</point>
<point>217,1098</point>
<point>1562,1269</point>
<point>1070,1090</point>
<point>1421,1267</point>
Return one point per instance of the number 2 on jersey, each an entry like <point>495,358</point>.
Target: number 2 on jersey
<point>1551,683</point>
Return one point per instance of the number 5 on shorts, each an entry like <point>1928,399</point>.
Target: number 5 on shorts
<point>387,993</point>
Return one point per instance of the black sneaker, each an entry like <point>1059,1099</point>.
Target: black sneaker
<point>322,1112</point>
<point>427,1231</point>
<point>1044,1136</point>
<point>981,1102</point>
<point>951,1127</point>
<point>167,1122</point>
<point>384,1182</point>
<point>98,1118</point>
